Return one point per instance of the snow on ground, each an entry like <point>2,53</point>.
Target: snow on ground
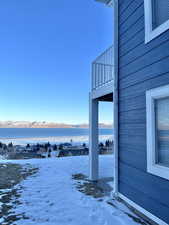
<point>50,197</point>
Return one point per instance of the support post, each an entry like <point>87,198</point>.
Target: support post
<point>94,139</point>
<point>116,100</point>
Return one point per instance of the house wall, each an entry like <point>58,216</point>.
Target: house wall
<point>141,67</point>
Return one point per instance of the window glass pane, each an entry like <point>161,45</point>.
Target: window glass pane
<point>160,12</point>
<point>162,131</point>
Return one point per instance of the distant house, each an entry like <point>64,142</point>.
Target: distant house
<point>72,152</point>
<point>23,155</point>
<point>134,75</point>
<point>19,148</point>
<point>22,152</point>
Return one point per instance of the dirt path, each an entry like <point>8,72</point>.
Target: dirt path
<point>10,176</point>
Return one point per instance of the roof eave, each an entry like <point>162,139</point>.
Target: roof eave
<point>107,2</point>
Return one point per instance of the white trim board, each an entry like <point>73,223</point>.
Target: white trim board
<point>107,2</point>
<point>116,95</point>
<point>152,166</point>
<point>104,90</point>
<point>150,34</point>
<point>142,210</point>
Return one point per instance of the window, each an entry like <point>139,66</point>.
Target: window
<point>162,131</point>
<point>157,104</point>
<point>156,18</point>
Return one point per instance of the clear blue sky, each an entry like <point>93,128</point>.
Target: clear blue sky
<point>46,47</point>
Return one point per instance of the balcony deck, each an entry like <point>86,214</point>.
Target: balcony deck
<point>103,74</point>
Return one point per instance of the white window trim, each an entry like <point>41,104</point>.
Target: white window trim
<point>151,33</point>
<point>151,96</point>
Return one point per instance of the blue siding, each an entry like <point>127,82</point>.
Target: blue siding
<point>141,67</point>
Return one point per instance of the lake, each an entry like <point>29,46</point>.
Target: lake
<point>53,135</point>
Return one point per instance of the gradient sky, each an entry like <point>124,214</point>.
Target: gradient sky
<point>46,49</point>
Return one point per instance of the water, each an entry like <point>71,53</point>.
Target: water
<point>53,135</point>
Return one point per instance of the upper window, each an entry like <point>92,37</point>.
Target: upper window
<point>156,18</point>
<point>158,131</point>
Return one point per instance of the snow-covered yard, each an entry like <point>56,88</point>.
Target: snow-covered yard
<point>50,197</point>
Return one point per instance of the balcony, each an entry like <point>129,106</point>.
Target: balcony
<point>103,73</point>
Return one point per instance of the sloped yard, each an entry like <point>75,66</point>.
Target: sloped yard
<point>57,192</point>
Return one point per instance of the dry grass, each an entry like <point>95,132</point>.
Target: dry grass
<point>10,176</point>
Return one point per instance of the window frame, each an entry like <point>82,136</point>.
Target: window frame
<point>152,166</point>
<point>151,33</point>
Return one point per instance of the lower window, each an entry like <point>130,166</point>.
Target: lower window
<point>158,131</point>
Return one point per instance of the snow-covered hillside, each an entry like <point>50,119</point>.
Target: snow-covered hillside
<point>50,197</point>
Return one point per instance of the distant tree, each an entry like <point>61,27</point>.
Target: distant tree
<point>60,147</point>
<point>38,145</point>
<point>28,146</point>
<point>49,153</point>
<point>10,145</point>
<point>101,145</point>
<point>48,144</point>
<point>55,147</point>
<point>46,147</point>
<point>107,143</point>
<point>84,145</point>
<point>1,145</point>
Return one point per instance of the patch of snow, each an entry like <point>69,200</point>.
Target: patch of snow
<point>1,205</point>
<point>51,198</point>
<point>1,196</point>
<point>3,157</point>
<point>4,165</point>
<point>1,220</point>
<point>5,190</point>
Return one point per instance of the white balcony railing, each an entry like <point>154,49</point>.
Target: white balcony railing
<point>103,69</point>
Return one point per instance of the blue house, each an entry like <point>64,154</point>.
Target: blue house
<point>134,75</point>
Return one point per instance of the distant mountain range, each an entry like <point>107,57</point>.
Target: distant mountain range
<point>36,124</point>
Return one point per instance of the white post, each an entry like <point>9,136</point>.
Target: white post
<point>116,100</point>
<point>94,139</point>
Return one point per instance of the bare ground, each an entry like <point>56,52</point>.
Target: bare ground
<point>10,176</point>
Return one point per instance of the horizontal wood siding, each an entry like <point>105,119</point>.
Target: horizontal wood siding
<point>141,67</point>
